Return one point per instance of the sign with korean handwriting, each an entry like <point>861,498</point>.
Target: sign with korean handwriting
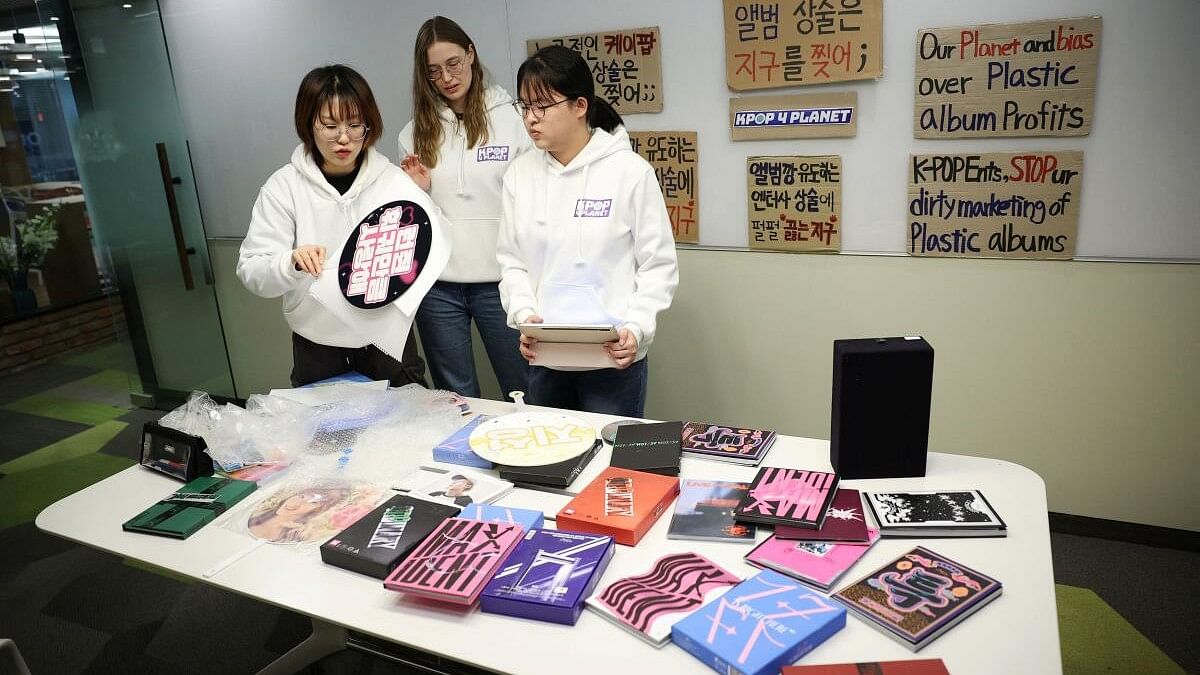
<point>791,43</point>
<point>384,255</point>
<point>673,156</point>
<point>793,116</point>
<point>1016,79</point>
<point>795,203</point>
<point>627,65</point>
<point>994,205</point>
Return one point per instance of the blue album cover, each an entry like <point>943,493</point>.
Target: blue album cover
<point>764,623</point>
<point>528,519</point>
<point>548,576</point>
<point>457,448</point>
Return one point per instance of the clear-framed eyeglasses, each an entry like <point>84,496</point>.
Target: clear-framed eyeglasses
<point>330,133</point>
<point>538,109</point>
<point>453,67</point>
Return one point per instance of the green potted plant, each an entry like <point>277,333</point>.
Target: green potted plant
<point>26,249</point>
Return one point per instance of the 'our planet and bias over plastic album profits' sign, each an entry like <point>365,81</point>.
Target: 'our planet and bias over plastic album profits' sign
<point>1015,79</point>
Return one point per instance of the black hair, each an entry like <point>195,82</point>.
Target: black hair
<point>557,68</point>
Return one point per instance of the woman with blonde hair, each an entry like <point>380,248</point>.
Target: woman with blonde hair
<point>463,135</point>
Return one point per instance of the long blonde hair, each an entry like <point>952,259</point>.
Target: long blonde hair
<point>427,124</point>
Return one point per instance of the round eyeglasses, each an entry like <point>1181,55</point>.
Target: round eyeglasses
<point>453,67</point>
<point>332,132</point>
<point>538,109</point>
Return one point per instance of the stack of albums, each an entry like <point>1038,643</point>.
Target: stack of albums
<point>548,576</point>
<point>456,560</point>
<point>378,541</point>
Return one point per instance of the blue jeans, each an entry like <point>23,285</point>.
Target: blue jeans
<point>444,322</point>
<point>607,390</point>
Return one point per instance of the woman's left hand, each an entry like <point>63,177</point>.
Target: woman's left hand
<point>624,350</point>
<point>417,171</point>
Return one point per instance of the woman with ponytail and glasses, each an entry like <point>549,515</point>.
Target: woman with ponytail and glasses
<point>304,215</point>
<point>585,236</point>
<point>462,138</point>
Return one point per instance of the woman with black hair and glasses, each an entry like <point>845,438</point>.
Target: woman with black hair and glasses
<point>304,215</point>
<point>585,237</point>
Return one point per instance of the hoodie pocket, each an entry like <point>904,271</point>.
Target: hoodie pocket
<point>573,303</point>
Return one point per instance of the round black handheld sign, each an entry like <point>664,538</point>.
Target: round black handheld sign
<point>384,254</point>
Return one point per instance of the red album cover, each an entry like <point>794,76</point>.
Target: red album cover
<point>909,667</point>
<point>621,503</point>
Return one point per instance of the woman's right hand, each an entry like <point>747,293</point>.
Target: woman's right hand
<point>309,258</point>
<point>527,342</point>
<point>417,171</point>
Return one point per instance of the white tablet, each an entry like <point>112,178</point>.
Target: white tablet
<point>570,332</point>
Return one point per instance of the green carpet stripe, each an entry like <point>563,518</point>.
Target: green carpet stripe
<point>1096,639</point>
<point>82,412</point>
<point>158,570</point>
<point>25,494</point>
<point>82,443</point>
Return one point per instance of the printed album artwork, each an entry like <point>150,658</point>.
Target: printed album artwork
<point>844,521</point>
<point>725,443</point>
<point>455,561</point>
<point>548,576</point>
<point>907,667</point>
<point>459,487</point>
<point>384,254</point>
<point>918,596</point>
<point>817,563</point>
<point>704,510</point>
<point>925,511</point>
<point>759,625</point>
<point>648,604</point>
<point>309,511</point>
<point>795,497</point>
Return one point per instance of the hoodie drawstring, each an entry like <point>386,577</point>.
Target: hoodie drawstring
<point>462,164</point>
<point>579,259</point>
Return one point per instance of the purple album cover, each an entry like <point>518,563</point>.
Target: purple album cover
<point>548,576</point>
<point>844,521</point>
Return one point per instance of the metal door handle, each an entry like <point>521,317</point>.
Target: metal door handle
<point>181,247</point>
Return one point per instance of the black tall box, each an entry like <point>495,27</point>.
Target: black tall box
<point>881,393</point>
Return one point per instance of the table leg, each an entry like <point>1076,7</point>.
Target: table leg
<point>326,639</point>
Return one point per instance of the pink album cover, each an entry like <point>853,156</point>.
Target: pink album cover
<point>817,563</point>
<point>456,560</point>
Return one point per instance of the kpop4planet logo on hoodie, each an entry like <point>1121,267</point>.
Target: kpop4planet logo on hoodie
<point>384,254</point>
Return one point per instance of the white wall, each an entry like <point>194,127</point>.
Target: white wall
<point>237,65</point>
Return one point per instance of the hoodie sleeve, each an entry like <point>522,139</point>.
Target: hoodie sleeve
<point>265,260</point>
<point>405,142</point>
<point>516,291</point>
<point>656,271</point>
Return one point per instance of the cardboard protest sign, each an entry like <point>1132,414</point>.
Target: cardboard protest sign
<point>1016,79</point>
<point>995,205</point>
<point>831,115</point>
<point>627,65</point>
<point>797,42</point>
<point>795,203</point>
<point>673,156</point>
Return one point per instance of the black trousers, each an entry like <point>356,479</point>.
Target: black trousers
<point>312,362</point>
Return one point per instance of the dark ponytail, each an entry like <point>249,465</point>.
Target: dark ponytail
<point>559,69</point>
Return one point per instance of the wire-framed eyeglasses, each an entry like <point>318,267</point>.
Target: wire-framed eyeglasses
<point>538,109</point>
<point>330,133</point>
<point>453,67</point>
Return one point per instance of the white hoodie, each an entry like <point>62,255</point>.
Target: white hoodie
<point>589,242</point>
<point>466,184</point>
<point>297,206</point>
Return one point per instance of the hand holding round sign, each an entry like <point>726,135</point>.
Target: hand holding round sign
<point>532,438</point>
<point>384,254</point>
